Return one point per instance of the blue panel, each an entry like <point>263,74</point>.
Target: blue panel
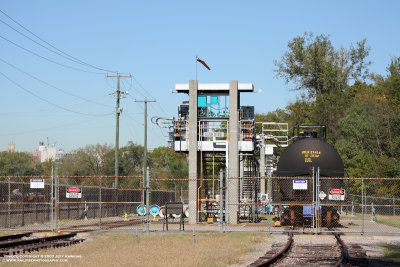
<point>214,100</point>
<point>202,101</point>
<point>307,211</point>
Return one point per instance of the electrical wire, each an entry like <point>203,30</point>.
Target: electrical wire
<point>67,56</point>
<point>45,100</point>
<point>46,109</point>
<point>47,59</point>
<point>140,85</point>
<point>50,85</point>
<point>52,128</point>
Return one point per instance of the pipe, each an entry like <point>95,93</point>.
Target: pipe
<point>201,168</point>
<point>213,196</point>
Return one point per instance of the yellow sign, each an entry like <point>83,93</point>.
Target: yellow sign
<point>310,154</point>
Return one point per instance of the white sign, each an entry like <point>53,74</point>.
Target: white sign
<point>322,195</point>
<point>300,184</point>
<point>37,183</point>
<point>336,194</point>
<point>74,192</point>
<point>211,134</point>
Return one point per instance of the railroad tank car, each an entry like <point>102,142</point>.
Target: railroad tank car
<point>302,159</point>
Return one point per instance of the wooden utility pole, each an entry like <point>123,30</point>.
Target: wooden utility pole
<point>117,111</point>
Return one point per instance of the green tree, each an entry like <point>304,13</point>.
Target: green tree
<point>18,163</point>
<point>313,64</point>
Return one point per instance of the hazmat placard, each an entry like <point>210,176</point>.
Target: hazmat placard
<point>336,194</point>
<point>37,183</point>
<point>300,184</point>
<point>74,192</point>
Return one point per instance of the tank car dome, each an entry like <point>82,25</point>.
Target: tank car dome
<point>299,158</point>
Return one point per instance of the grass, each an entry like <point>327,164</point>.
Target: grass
<point>121,249</point>
<point>388,220</point>
<point>2,233</point>
<point>391,253</point>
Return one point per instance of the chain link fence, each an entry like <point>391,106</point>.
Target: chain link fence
<point>274,205</point>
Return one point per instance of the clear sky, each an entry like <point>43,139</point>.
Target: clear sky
<point>157,42</point>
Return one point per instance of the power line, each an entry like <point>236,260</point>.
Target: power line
<point>48,109</point>
<point>45,100</point>
<point>47,59</point>
<point>67,56</point>
<point>50,85</point>
<point>162,110</point>
<point>52,128</point>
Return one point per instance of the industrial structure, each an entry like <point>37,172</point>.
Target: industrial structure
<point>224,142</point>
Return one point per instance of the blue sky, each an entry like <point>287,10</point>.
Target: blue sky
<point>157,42</point>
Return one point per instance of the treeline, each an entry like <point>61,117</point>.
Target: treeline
<point>360,110</point>
<point>99,160</point>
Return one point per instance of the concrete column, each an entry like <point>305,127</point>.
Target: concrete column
<point>233,154</point>
<point>262,167</point>
<point>193,168</point>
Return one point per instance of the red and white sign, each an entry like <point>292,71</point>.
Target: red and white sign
<point>74,192</point>
<point>336,194</point>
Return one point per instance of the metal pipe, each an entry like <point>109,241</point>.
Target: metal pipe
<point>227,182</point>
<point>213,195</point>
<point>201,170</point>
<point>221,211</point>
<point>148,199</point>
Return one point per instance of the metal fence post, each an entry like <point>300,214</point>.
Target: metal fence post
<point>221,201</point>
<point>394,208</point>
<point>372,212</point>
<point>352,208</point>
<point>362,205</point>
<point>100,206</point>
<point>148,198</point>
<point>9,203</point>
<point>57,200</point>
<point>22,210</point>
<point>52,198</point>
<point>318,203</point>
<point>313,199</point>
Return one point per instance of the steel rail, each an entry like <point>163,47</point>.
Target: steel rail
<point>266,261</point>
<point>344,255</point>
<point>23,242</point>
<point>12,237</point>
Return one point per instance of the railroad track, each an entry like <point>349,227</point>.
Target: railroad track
<point>305,254</point>
<point>22,243</point>
<point>103,226</point>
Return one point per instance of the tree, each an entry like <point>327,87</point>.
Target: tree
<point>18,163</point>
<point>313,64</point>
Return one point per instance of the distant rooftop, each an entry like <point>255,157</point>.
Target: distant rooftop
<point>222,88</point>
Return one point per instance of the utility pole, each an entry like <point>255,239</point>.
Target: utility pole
<point>118,112</point>
<point>145,173</point>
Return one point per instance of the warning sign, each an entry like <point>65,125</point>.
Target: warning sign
<point>336,194</point>
<point>74,192</point>
<point>300,184</point>
<point>37,183</point>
